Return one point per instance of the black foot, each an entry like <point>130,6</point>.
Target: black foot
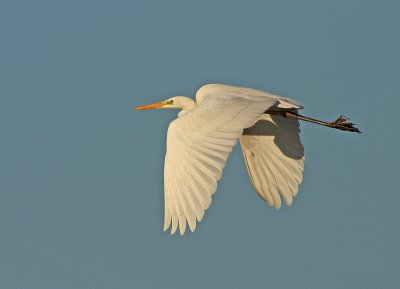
<point>342,124</point>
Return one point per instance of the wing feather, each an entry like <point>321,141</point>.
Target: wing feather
<point>273,184</point>
<point>198,145</point>
<point>274,157</point>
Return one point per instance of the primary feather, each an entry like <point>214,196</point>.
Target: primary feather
<point>274,157</point>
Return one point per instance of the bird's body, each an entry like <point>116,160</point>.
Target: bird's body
<point>200,139</point>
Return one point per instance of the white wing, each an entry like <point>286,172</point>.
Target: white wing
<point>274,157</point>
<point>198,144</point>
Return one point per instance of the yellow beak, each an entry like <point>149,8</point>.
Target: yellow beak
<point>150,106</point>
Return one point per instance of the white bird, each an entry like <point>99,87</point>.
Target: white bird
<point>200,139</point>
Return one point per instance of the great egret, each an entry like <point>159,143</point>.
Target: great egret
<point>201,138</point>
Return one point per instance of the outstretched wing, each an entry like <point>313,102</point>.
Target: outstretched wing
<point>274,157</point>
<point>198,145</point>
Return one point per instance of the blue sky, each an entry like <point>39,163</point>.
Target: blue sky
<point>81,191</point>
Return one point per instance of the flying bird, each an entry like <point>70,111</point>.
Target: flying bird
<point>200,139</point>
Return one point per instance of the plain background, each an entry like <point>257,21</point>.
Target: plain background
<point>81,190</point>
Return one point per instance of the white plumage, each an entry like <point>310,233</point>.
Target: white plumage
<point>274,157</point>
<point>200,140</point>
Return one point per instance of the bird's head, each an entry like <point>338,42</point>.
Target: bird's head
<point>178,102</point>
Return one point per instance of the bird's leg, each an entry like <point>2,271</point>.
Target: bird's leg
<point>340,123</point>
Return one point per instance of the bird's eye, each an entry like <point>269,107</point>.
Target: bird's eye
<point>170,102</point>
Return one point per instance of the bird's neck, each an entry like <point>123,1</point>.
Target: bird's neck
<point>186,104</point>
